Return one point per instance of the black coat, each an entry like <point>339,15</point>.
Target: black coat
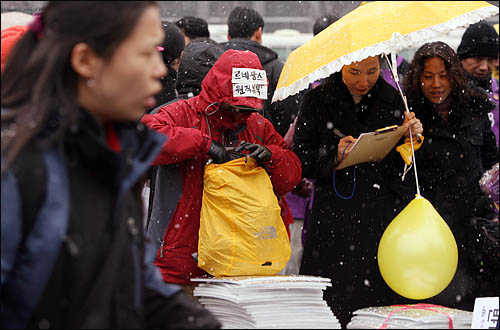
<point>282,113</point>
<point>168,91</point>
<point>450,163</point>
<point>98,272</point>
<point>343,235</point>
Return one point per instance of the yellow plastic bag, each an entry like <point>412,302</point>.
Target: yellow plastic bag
<point>405,149</point>
<point>241,230</point>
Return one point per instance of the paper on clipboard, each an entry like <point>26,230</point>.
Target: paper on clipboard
<point>373,146</point>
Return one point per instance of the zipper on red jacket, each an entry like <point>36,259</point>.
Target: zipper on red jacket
<point>161,248</point>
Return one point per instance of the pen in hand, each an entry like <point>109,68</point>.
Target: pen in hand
<point>338,133</point>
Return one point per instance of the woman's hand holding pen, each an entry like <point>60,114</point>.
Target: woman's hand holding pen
<point>345,145</point>
<point>414,123</point>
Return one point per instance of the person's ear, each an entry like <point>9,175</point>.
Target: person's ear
<point>85,61</point>
<point>228,36</point>
<point>257,35</point>
<point>176,62</point>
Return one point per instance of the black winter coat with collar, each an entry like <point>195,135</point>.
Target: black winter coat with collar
<point>78,258</point>
<point>452,159</point>
<point>94,282</point>
<point>343,234</point>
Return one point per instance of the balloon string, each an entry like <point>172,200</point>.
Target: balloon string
<point>396,80</point>
<point>354,184</point>
<point>418,306</point>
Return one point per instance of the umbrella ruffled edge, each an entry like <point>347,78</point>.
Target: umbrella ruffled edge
<point>404,41</point>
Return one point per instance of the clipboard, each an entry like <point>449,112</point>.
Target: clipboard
<point>373,146</point>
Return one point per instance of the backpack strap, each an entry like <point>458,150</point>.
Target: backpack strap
<point>31,176</point>
<point>43,230</point>
<point>153,171</point>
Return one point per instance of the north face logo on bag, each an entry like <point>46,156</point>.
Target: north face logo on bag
<point>266,233</point>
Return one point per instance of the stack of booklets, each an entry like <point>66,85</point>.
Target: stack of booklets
<point>267,302</point>
<point>418,316</point>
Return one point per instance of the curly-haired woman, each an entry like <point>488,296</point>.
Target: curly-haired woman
<point>458,147</point>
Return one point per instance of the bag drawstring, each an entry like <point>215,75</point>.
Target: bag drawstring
<point>209,114</point>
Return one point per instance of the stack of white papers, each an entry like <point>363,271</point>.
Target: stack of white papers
<point>420,316</point>
<point>268,302</point>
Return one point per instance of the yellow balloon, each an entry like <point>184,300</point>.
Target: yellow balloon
<point>417,254</point>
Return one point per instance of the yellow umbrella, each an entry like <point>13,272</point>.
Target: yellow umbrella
<point>372,29</point>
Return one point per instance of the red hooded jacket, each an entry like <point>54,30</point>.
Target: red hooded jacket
<point>10,36</point>
<point>189,138</point>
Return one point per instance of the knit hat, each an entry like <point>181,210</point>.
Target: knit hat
<point>173,43</point>
<point>479,40</point>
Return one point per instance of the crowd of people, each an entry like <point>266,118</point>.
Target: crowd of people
<point>107,126</point>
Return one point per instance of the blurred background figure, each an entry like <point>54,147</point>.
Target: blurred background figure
<point>386,73</point>
<point>323,22</point>
<point>198,59</point>
<point>495,69</point>
<point>13,18</point>
<point>319,25</point>
<point>484,235</point>
<point>478,53</point>
<point>194,28</point>
<point>14,26</point>
<point>171,50</point>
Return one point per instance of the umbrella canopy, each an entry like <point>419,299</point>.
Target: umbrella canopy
<point>372,29</point>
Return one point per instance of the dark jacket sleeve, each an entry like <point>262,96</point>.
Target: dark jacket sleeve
<point>489,151</point>
<point>281,113</point>
<point>316,153</point>
<point>11,224</point>
<point>284,168</point>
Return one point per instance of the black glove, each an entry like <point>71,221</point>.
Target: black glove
<point>260,153</point>
<point>183,312</point>
<point>218,153</point>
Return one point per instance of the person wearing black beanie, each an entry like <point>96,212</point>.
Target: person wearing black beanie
<point>171,50</point>
<point>479,40</point>
<point>478,53</point>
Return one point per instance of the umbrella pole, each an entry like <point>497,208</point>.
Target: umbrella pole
<point>403,97</point>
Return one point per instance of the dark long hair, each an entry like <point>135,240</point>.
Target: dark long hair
<point>38,73</point>
<point>461,90</point>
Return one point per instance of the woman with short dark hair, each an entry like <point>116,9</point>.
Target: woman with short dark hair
<point>352,206</point>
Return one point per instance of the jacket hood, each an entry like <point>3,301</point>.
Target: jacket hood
<point>10,37</point>
<point>265,54</point>
<point>217,86</point>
